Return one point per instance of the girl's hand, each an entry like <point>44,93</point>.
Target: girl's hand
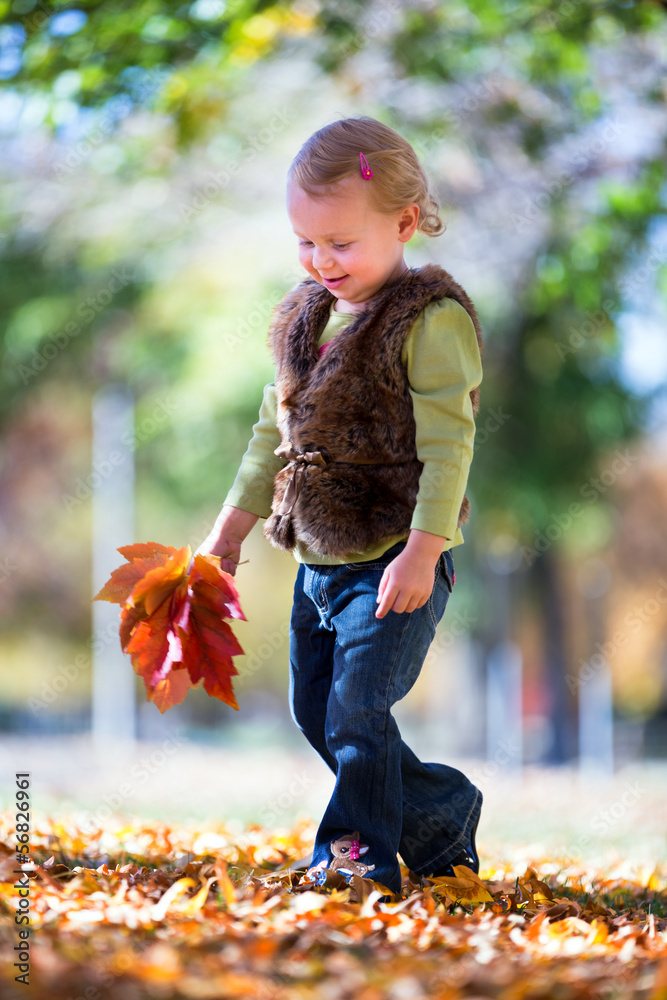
<point>229,550</point>
<point>407,582</point>
<point>226,537</point>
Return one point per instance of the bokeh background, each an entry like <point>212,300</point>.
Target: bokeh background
<point>144,244</point>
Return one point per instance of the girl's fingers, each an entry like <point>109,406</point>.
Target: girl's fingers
<point>402,604</point>
<point>395,600</point>
<point>386,599</point>
<point>388,602</point>
<point>381,588</point>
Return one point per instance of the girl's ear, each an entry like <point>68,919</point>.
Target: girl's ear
<point>407,222</point>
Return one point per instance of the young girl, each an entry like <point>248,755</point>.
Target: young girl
<point>359,463</point>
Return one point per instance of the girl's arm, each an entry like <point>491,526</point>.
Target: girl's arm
<point>252,491</point>
<point>443,362</point>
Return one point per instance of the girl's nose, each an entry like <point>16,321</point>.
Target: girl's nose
<point>321,258</point>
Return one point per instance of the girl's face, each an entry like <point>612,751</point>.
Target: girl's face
<point>346,244</point>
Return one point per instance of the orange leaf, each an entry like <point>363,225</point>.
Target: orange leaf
<point>158,584</point>
<point>207,577</point>
<point>129,619</point>
<point>208,647</point>
<point>150,646</point>
<point>171,690</point>
<point>121,583</point>
<point>141,557</point>
<point>145,550</point>
<point>210,597</point>
<point>172,621</point>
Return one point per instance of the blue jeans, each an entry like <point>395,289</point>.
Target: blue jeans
<point>347,669</point>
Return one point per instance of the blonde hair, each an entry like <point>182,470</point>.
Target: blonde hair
<point>332,153</point>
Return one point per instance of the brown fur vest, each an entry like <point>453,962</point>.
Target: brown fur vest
<point>346,417</point>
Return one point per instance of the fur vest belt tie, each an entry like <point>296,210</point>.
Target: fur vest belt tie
<point>301,460</point>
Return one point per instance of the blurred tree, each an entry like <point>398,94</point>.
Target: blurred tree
<point>523,115</point>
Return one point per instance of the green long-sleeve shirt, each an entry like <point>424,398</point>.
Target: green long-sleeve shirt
<point>443,364</point>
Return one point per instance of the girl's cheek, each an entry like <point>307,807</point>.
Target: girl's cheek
<point>306,260</point>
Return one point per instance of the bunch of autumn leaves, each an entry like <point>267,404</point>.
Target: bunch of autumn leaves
<point>172,621</point>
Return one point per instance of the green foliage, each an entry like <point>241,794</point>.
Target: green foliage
<point>570,410</point>
<point>510,85</point>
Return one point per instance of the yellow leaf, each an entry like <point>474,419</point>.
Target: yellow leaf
<point>159,910</point>
<point>225,883</point>
<point>599,933</point>
<point>466,886</point>
<point>195,904</point>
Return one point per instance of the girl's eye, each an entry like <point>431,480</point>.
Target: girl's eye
<point>336,246</point>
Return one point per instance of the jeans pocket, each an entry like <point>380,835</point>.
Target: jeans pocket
<point>444,565</point>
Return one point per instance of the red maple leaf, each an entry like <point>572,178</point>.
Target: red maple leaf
<point>172,621</point>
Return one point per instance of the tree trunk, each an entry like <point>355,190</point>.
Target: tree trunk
<point>561,703</point>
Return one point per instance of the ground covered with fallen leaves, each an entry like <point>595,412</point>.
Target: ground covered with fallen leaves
<point>147,910</point>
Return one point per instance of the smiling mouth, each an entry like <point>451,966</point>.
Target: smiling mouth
<point>334,281</point>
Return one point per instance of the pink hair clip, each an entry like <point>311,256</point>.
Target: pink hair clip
<point>366,171</point>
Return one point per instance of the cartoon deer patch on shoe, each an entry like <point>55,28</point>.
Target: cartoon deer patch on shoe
<point>346,851</point>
